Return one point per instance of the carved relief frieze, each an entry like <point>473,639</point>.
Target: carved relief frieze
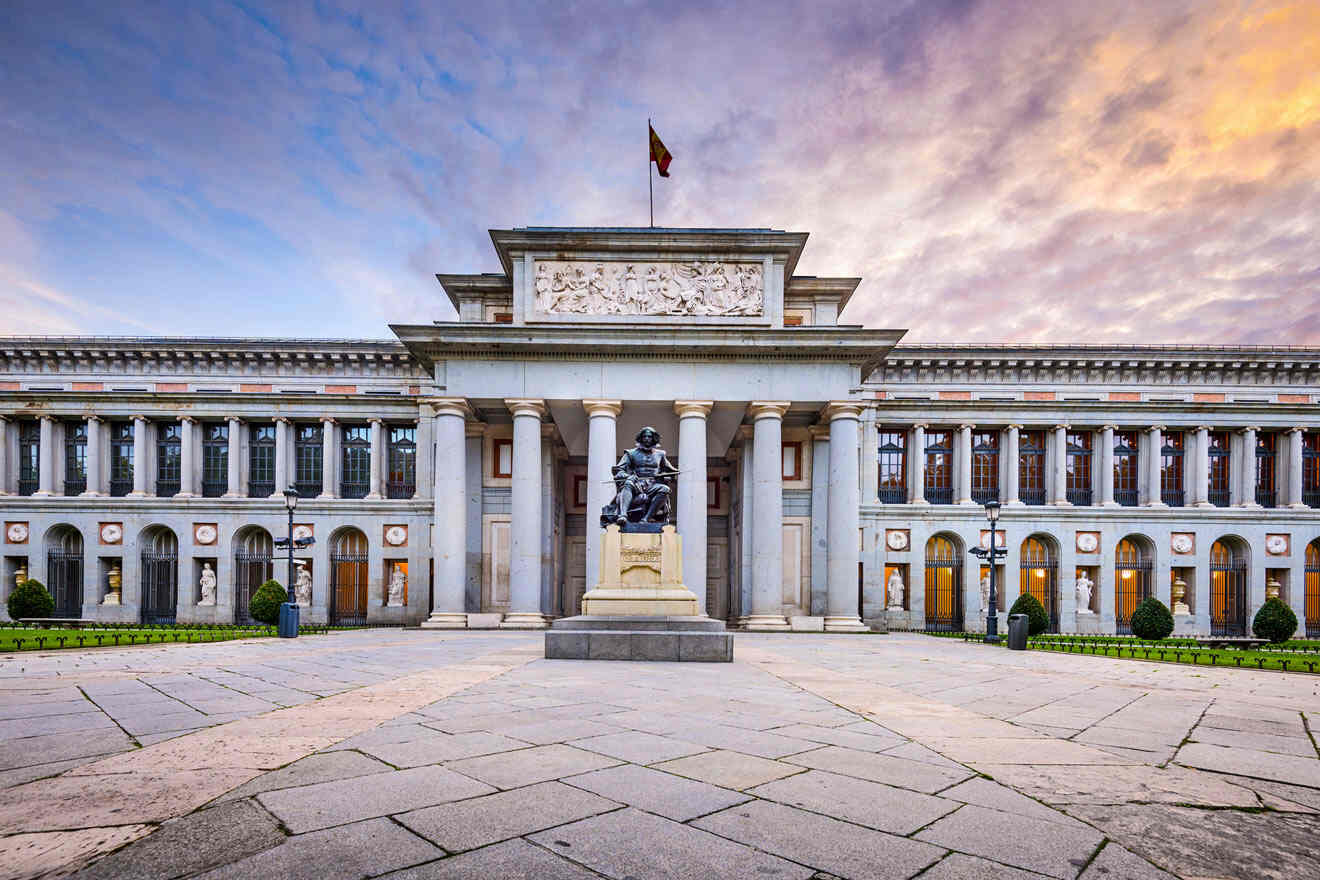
<point>695,287</point>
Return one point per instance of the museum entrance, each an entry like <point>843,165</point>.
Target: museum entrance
<point>348,578</point>
<point>159,576</point>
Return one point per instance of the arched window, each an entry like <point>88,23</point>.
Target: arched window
<point>1313,589</point>
<point>944,585</point>
<point>252,568</point>
<point>348,578</point>
<point>1038,574</point>
<point>159,575</point>
<point>1132,581</point>
<point>64,570</point>
<point>1228,588</point>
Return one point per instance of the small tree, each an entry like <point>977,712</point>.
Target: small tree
<point>1037,620</point>
<point>266,602</point>
<point>30,599</point>
<point>1274,621</point>
<point>1152,620</point>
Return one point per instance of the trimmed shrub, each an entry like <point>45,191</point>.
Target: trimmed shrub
<point>266,602</point>
<point>1152,620</point>
<point>1037,620</point>
<point>1274,621</point>
<point>30,599</point>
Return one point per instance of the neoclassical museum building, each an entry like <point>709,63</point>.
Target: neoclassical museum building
<point>453,476</point>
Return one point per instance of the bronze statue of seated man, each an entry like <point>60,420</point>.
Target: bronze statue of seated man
<point>641,493</point>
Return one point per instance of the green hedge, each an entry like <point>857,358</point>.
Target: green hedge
<point>266,602</point>
<point>1274,621</point>
<point>1152,620</point>
<point>1037,620</point>
<point>30,599</point>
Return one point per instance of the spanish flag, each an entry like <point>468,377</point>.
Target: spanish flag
<point>659,155</point>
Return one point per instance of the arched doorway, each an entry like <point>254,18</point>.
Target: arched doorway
<point>1132,580</point>
<point>1228,588</point>
<point>252,568</point>
<point>64,570</point>
<point>1038,574</point>
<point>159,575</point>
<point>944,584</point>
<point>348,578</point>
<point>1313,589</point>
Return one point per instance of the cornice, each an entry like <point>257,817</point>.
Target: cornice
<point>840,289</point>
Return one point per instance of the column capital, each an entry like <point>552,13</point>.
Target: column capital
<point>371,420</point>
<point>474,429</point>
<point>1206,428</point>
<point>841,409</point>
<point>610,408</point>
<point>1109,426</point>
<point>288,421</point>
<point>140,418</point>
<point>47,417</point>
<point>693,408</point>
<point>745,431</point>
<point>966,427</point>
<point>1062,426</point>
<point>548,429</point>
<point>768,409</point>
<point>191,419</point>
<point>92,417</point>
<point>1252,428</point>
<point>526,406</point>
<point>1012,427</point>
<point>328,420</point>
<point>447,406</point>
<point>234,419</point>
<point>1297,429</point>
<point>1158,428</point>
<point>922,425</point>
<point>819,432</point>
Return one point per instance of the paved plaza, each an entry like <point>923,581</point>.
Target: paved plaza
<point>414,754</point>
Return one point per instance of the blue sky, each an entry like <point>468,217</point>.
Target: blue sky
<point>1087,170</point>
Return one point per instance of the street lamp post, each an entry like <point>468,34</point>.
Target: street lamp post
<point>288,628</point>
<point>992,556</point>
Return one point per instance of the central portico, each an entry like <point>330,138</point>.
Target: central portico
<point>591,334</point>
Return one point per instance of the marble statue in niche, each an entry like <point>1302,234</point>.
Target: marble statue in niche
<point>985,591</point>
<point>207,583</point>
<point>398,581</point>
<point>302,589</point>
<point>694,287</point>
<point>895,589</point>
<point>1083,586</point>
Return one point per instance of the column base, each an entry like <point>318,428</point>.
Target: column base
<point>967,502</point>
<point>1250,505</point>
<point>766,623</point>
<point>523,620</point>
<point>373,496</point>
<point>90,494</point>
<point>445,620</point>
<point>325,496</point>
<point>919,502</point>
<point>136,495</point>
<point>1297,505</point>
<point>1063,503</point>
<point>190,495</point>
<point>1204,505</point>
<point>845,624</point>
<point>1016,502</point>
<point>42,493</point>
<point>232,495</point>
<point>1110,504</point>
<point>1156,504</point>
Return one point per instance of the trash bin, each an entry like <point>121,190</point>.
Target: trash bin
<point>1018,625</point>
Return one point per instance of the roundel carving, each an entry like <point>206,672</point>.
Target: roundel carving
<point>111,533</point>
<point>205,533</point>
<point>1182,543</point>
<point>302,531</point>
<point>17,533</point>
<point>396,535</point>
<point>1087,542</point>
<point>1276,545</point>
<point>897,539</point>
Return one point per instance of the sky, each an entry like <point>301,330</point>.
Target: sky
<point>995,170</point>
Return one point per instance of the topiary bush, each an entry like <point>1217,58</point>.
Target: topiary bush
<point>31,599</point>
<point>1037,620</point>
<point>1152,620</point>
<point>266,602</point>
<point>1274,621</point>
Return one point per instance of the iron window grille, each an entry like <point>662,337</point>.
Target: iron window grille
<point>944,585</point>
<point>75,458</point>
<point>1132,583</point>
<point>892,467</point>
<point>121,459</point>
<point>402,482</point>
<point>160,578</point>
<point>29,457</point>
<point>1228,591</point>
<point>1078,489</point>
<point>261,462</point>
<point>1031,467</point>
<point>1125,468</point>
<point>169,463</point>
<point>215,460</point>
<point>356,462</point>
<point>1266,487</point>
<point>985,466</point>
<point>307,460</point>
<point>253,566</point>
<point>939,467</point>
<point>64,574</point>
<point>1220,456</point>
<point>1311,469</point>
<point>1038,574</point>
<point>1312,590</point>
<point>1171,470</point>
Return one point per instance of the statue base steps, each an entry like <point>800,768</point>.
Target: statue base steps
<point>445,620</point>
<point>677,638</point>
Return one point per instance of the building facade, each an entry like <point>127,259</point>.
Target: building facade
<point>454,475</point>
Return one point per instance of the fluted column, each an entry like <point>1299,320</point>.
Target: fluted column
<point>139,457</point>
<point>1201,472</point>
<point>377,457</point>
<point>525,527</point>
<point>1013,468</point>
<point>692,494</point>
<point>1295,458</point>
<point>1248,482</point>
<point>869,439</point>
<point>918,453</point>
<point>1155,439</point>
<point>602,452</point>
<point>46,457</point>
<point>329,462</point>
<point>1060,480</point>
<point>187,456</point>
<point>281,456</point>
<point>93,457</point>
<point>1107,466</point>
<point>449,506</point>
<point>767,516</point>
<point>841,611</point>
<point>964,492</point>
<point>234,489</point>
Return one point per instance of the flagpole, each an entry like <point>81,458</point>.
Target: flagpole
<point>650,187</point>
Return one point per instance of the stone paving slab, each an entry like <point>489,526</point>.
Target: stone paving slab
<point>1301,746</point>
<point>656,792</point>
<point>362,849</point>
<point>882,807</point>
<point>730,769</point>
<point>1111,785</point>
<point>916,775</point>
<point>1045,847</point>
<point>638,747</point>
<point>1249,762</point>
<point>442,747</point>
<point>526,766</point>
<point>321,767</point>
<point>513,860</point>
<point>959,866</point>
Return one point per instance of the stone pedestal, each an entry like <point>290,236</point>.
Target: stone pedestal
<point>897,620</point>
<point>1184,625</point>
<point>641,575</point>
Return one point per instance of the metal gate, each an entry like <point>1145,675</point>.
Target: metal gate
<point>1312,591</point>
<point>1132,584</point>
<point>348,589</point>
<point>1038,574</point>
<point>64,576</point>
<point>944,586</point>
<point>1228,592</point>
<point>160,586</point>
<point>251,570</point>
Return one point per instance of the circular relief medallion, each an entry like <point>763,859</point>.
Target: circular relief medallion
<point>205,534</point>
<point>303,531</point>
<point>1181,543</point>
<point>897,540</point>
<point>1087,542</point>
<point>396,535</point>
<point>1276,544</point>
<point>111,533</point>
<point>17,533</point>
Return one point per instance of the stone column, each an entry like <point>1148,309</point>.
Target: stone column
<point>820,519</point>
<point>139,457</point>
<point>869,439</point>
<point>187,456</point>
<point>964,490</point>
<point>377,457</point>
<point>1107,466</point>
<point>1013,468</point>
<point>692,494</point>
<point>93,457</point>
<point>918,453</point>
<point>841,611</point>
<point>1295,458</point>
<point>1248,489</point>
<point>767,516</point>
<point>1061,466</point>
<point>235,478</point>
<point>328,460</point>
<point>1201,471</point>
<point>746,520</point>
<point>602,453</point>
<point>1155,439</point>
<point>525,528</point>
<point>4,457</point>
<point>46,457</point>
<point>282,427</point>
<point>450,515</point>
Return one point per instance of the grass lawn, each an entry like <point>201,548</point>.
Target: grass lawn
<point>34,639</point>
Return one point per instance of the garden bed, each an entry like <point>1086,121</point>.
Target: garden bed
<point>21,637</point>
